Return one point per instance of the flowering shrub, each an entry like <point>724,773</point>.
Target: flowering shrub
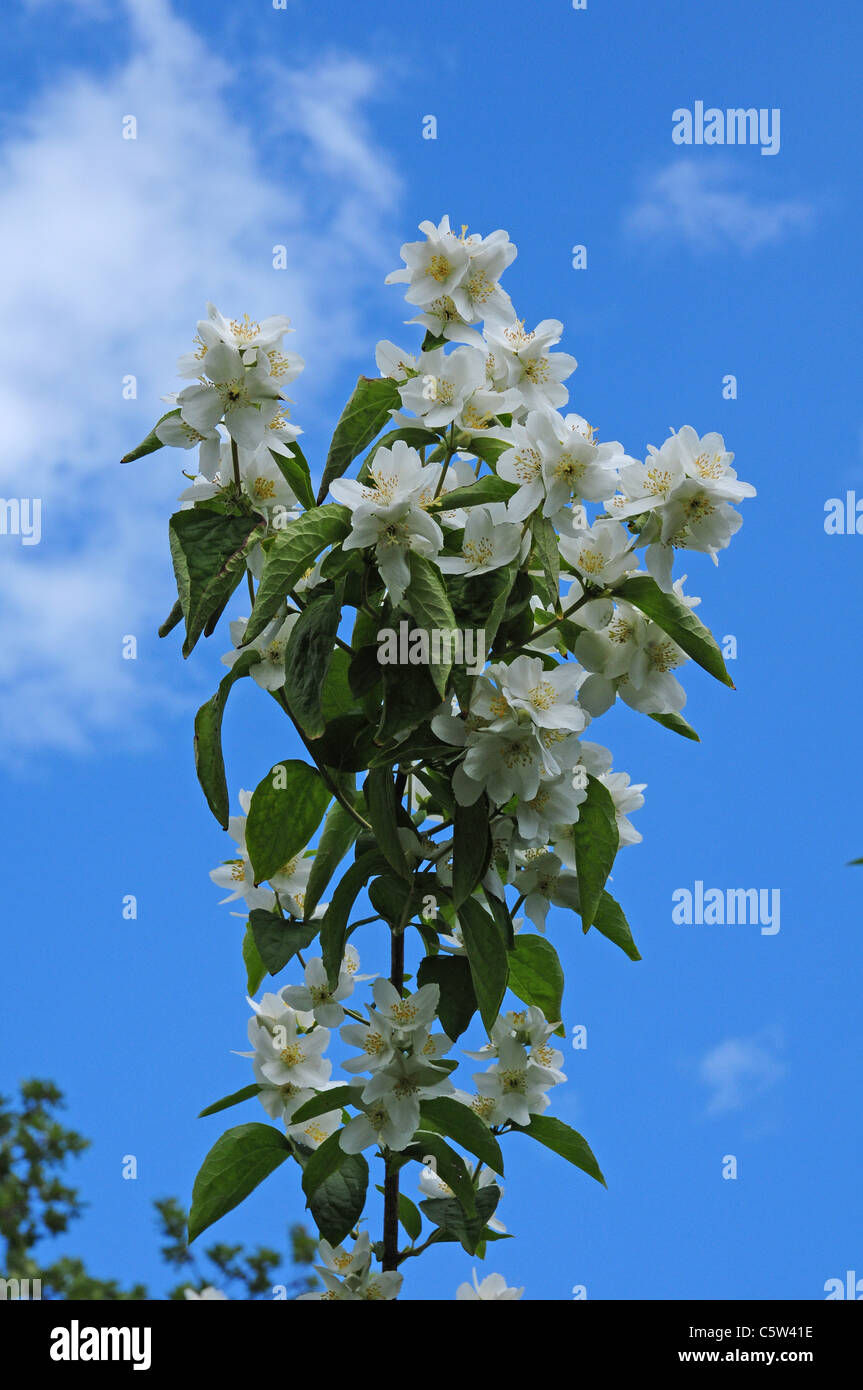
<point>482,512</point>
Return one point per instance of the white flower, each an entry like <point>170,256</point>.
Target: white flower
<point>494,1286</point>
<point>489,542</point>
<point>545,881</point>
<point>287,1055</point>
<point>524,690</point>
<point>208,1294</point>
<point>401,1085</point>
<point>315,996</point>
<point>245,396</point>
<point>388,1121</point>
<point>634,658</point>
<point>265,483</point>
<point>444,385</point>
<point>408,1015</point>
<point>627,798</point>
<point>433,267</point>
<point>601,553</point>
<point>344,1262</point>
<point>517,1087</point>
<point>178,433</point>
<point>556,802</point>
<point>312,1133</point>
<point>394,362</point>
<point>244,333</point>
<point>269,672</point>
<point>523,361</point>
<point>574,465</point>
<point>375,1040</point>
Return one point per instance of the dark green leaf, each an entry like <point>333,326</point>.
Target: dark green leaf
<point>175,616</point>
<point>448,1165</point>
<point>296,473</point>
<point>458,1122</point>
<point>339,832</point>
<point>235,1098</point>
<point>556,1135</point>
<point>278,940</point>
<point>152,441</point>
<point>255,968</point>
<point>611,922</point>
<point>681,624</point>
<point>471,848</point>
<point>489,488</point>
<point>536,975</point>
<point>337,1204</point>
<point>209,554</point>
<point>362,419</point>
<point>286,809</point>
<point>486,955</point>
<point>427,600</point>
<point>334,925</point>
<point>546,548</point>
<point>325,1101</point>
<point>307,660</point>
<point>236,1163</point>
<point>457,999</point>
<point>677,724</point>
<point>452,1222</point>
<point>294,550</point>
<point>381,800</point>
<point>209,763</point>
<point>596,839</point>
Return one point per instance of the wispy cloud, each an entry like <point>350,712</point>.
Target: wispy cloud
<point>113,246</point>
<point>739,1071</point>
<point>712,206</point>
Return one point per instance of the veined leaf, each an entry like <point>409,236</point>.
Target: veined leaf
<point>294,550</point>
<point>286,809</point>
<point>152,441</point>
<point>236,1163</point>
<point>209,762</point>
<point>209,554</point>
<point>486,954</point>
<point>596,839</point>
<point>364,416</point>
<point>307,660</point>
<point>236,1098</point>
<point>536,975</point>
<point>558,1137</point>
<point>611,921</point>
<point>681,624</point>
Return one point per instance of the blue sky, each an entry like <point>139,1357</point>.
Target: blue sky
<point>303,127</point>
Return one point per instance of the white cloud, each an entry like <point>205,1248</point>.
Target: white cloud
<point>114,247</point>
<point>708,206</point>
<point>739,1071</point>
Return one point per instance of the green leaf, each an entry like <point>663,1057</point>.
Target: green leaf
<point>339,832</point>
<point>611,922</point>
<point>489,488</point>
<point>152,441</point>
<point>408,1215</point>
<point>479,601</point>
<point>486,954</point>
<point>389,897</point>
<point>457,999</point>
<point>307,660</point>
<point>426,597</point>
<point>209,554</point>
<point>209,762</point>
<point>677,724</point>
<point>557,1136</point>
<point>596,839</point>
<point>410,698</point>
<point>296,473</point>
<point>334,925</point>
<point>452,1222</point>
<point>294,550</point>
<point>458,1122</point>
<point>325,1101</point>
<point>381,800</point>
<point>448,1164</point>
<point>286,809</point>
<point>546,548</point>
<point>278,940</point>
<point>484,447</point>
<point>681,624</point>
<point>362,419</point>
<point>536,975</point>
<point>255,968</point>
<point>337,1204</point>
<point>471,848</point>
<point>235,1165</point>
<point>175,616</point>
<point>235,1098</point>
